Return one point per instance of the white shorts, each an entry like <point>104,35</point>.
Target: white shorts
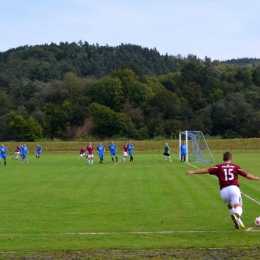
<point>91,155</point>
<point>125,154</point>
<point>231,195</point>
<point>17,153</point>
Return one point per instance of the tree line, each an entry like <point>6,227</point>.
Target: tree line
<point>77,90</point>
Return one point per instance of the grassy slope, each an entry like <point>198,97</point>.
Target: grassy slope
<point>55,202</point>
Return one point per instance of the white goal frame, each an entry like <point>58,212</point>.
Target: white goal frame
<point>197,145</point>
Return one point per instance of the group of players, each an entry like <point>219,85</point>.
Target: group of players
<point>183,151</point>
<point>88,152</point>
<point>227,172</point>
<point>21,150</point>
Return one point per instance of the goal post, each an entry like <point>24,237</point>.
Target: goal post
<point>197,149</point>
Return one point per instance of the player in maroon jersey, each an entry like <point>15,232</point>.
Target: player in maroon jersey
<point>16,152</point>
<point>90,150</point>
<point>125,154</point>
<point>227,174</point>
<point>82,152</point>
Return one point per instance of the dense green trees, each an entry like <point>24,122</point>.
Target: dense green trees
<point>108,92</point>
<point>52,90</point>
<point>21,129</point>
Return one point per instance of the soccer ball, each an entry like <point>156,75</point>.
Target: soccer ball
<point>257,221</point>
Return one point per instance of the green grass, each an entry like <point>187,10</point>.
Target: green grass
<point>58,202</point>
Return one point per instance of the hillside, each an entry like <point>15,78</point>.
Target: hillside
<point>76,91</point>
<point>49,62</point>
<point>243,61</point>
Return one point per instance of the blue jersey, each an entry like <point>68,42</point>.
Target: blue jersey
<point>112,148</point>
<point>130,148</point>
<point>183,149</point>
<point>24,150</point>
<point>3,151</point>
<point>39,149</point>
<point>101,150</point>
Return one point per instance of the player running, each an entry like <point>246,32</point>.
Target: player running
<point>90,150</point>
<point>38,151</point>
<point>130,150</point>
<point>3,151</point>
<point>82,152</point>
<point>24,149</point>
<point>125,154</point>
<point>16,152</point>
<point>101,150</point>
<point>227,174</point>
<point>113,151</point>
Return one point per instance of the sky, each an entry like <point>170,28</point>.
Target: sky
<point>218,29</point>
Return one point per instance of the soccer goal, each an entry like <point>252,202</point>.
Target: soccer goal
<point>197,149</point>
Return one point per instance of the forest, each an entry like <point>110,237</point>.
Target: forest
<point>72,91</point>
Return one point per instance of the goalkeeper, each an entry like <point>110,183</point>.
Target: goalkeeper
<point>166,152</point>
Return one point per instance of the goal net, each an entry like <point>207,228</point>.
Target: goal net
<point>197,149</point>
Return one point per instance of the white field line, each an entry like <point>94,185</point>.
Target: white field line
<point>250,198</point>
<point>254,200</point>
<point>115,164</point>
<point>130,232</point>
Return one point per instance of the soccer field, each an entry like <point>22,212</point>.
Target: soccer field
<point>58,202</point>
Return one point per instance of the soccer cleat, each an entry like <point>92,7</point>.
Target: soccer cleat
<point>240,223</point>
<point>235,220</point>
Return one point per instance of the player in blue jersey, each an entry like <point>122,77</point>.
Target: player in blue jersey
<point>21,150</point>
<point>38,151</point>
<point>3,151</point>
<point>24,151</point>
<point>101,149</point>
<point>130,150</point>
<point>113,151</point>
<point>183,151</point>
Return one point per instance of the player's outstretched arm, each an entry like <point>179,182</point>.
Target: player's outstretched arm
<point>252,177</point>
<point>200,171</point>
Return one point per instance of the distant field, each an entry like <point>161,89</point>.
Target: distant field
<point>215,145</point>
<point>58,202</point>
